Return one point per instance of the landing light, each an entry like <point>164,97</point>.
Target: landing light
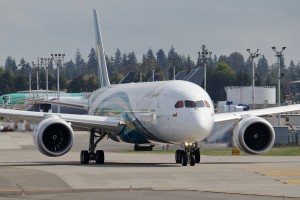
<point>188,144</point>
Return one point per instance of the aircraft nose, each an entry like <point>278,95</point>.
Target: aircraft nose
<point>199,125</point>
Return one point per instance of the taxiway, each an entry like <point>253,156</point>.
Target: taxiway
<point>26,173</point>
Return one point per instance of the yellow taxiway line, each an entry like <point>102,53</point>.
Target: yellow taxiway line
<point>290,181</point>
<point>280,173</point>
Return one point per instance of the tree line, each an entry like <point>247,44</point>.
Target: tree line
<point>79,75</point>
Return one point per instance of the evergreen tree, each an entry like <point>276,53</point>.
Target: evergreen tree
<point>76,85</point>
<point>118,59</point>
<point>110,65</point>
<point>10,64</point>
<point>21,82</point>
<point>92,64</point>
<point>163,63</point>
<point>236,61</point>
<point>7,82</point>
<point>23,66</point>
<point>189,64</point>
<point>124,60</point>
<point>297,70</point>
<point>150,55</point>
<point>69,69</point>
<point>149,64</point>
<point>131,59</point>
<point>215,61</point>
<point>51,70</point>
<point>292,72</point>
<point>132,65</point>
<point>223,59</point>
<point>262,70</point>
<point>79,64</point>
<point>173,59</point>
<point>91,83</point>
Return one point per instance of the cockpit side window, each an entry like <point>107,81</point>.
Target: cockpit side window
<point>179,104</point>
<point>189,104</point>
<point>206,104</point>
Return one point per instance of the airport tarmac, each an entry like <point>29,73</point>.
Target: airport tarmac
<point>25,173</point>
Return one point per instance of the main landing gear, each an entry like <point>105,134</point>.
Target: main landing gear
<point>98,156</point>
<point>190,154</point>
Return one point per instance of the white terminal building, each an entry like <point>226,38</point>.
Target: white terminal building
<point>265,96</point>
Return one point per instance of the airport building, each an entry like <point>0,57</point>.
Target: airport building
<point>265,96</point>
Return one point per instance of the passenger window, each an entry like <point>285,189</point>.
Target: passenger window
<point>179,104</point>
<point>189,104</point>
<point>200,104</point>
<point>207,104</point>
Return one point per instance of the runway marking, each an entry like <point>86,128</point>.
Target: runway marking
<point>280,173</point>
<point>290,181</point>
<point>277,171</point>
<point>296,168</point>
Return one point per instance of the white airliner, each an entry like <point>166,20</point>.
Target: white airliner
<point>173,112</point>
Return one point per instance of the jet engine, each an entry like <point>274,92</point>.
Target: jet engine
<point>53,136</point>
<point>254,135</point>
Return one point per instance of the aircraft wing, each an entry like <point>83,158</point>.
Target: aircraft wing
<point>79,104</point>
<point>63,103</point>
<point>222,117</point>
<point>82,121</point>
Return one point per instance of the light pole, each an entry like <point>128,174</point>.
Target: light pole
<point>46,62</point>
<point>204,56</point>
<point>37,66</point>
<point>279,55</point>
<point>253,55</point>
<point>29,82</point>
<point>58,59</point>
<point>174,71</point>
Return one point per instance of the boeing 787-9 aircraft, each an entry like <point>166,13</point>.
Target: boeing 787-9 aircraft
<point>172,112</point>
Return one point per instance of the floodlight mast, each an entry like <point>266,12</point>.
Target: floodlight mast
<point>253,55</point>
<point>37,67</point>
<point>46,62</point>
<point>279,54</point>
<point>204,56</point>
<point>58,59</point>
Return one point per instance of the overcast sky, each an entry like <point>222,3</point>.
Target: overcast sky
<point>37,28</point>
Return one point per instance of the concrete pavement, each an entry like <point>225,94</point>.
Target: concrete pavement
<point>26,173</point>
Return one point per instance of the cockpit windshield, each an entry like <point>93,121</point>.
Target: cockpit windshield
<point>200,104</point>
<point>189,104</point>
<point>192,104</point>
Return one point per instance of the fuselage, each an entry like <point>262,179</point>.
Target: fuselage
<point>164,111</point>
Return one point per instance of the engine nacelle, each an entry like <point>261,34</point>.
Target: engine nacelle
<point>53,136</point>
<point>254,135</point>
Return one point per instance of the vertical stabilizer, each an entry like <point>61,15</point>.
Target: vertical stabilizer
<point>103,79</point>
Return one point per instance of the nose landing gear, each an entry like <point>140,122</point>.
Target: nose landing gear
<point>190,154</point>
